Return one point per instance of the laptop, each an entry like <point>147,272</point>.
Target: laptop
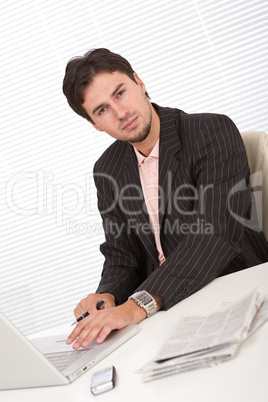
<point>45,361</point>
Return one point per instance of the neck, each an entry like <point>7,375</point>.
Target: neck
<point>145,147</point>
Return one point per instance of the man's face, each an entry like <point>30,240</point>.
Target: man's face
<point>119,106</point>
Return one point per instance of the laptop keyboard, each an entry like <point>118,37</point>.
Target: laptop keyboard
<point>63,360</point>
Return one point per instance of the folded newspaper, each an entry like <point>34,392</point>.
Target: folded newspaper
<point>201,341</point>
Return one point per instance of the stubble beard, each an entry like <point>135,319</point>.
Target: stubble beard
<point>145,130</point>
<point>142,135</point>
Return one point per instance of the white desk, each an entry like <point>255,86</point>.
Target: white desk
<point>243,378</point>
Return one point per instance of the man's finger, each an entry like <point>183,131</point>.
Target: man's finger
<point>104,333</point>
<point>77,331</point>
<point>87,336</point>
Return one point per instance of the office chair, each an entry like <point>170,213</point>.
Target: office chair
<point>256,143</point>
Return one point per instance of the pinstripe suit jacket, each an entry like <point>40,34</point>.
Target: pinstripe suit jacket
<point>207,228</point>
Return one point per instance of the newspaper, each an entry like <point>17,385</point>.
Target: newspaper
<point>201,341</point>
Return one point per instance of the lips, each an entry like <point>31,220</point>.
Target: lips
<point>131,124</point>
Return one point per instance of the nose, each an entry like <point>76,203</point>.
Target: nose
<point>120,111</point>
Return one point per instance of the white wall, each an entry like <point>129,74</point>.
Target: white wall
<point>199,56</point>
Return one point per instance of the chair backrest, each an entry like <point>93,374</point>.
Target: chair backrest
<point>256,143</point>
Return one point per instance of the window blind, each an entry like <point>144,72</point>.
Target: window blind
<point>199,56</point>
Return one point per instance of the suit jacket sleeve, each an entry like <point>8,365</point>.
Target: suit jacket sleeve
<point>121,273</point>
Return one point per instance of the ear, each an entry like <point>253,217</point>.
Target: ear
<point>140,83</point>
<point>95,126</point>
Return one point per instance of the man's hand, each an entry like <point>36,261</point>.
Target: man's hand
<point>101,322</point>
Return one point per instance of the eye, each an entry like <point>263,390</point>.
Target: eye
<point>120,93</point>
<point>102,110</point>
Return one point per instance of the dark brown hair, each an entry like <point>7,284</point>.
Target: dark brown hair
<point>81,70</point>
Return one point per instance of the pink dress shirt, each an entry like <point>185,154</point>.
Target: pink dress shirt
<point>148,171</point>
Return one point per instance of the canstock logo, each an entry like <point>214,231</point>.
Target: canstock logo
<point>255,221</point>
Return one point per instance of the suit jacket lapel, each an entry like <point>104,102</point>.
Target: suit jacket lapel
<point>134,202</point>
<point>169,158</point>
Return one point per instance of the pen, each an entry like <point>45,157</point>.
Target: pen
<point>87,313</point>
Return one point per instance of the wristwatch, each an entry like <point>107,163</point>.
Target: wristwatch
<point>146,301</point>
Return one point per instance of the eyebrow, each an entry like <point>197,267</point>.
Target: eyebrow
<point>113,94</point>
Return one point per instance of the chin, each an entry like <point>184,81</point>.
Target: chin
<point>142,136</point>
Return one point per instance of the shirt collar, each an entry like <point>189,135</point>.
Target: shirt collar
<point>153,154</point>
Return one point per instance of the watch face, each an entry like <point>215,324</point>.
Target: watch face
<point>145,299</point>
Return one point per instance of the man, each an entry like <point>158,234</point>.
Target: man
<point>173,193</point>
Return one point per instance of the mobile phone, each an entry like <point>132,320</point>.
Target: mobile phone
<point>102,380</point>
